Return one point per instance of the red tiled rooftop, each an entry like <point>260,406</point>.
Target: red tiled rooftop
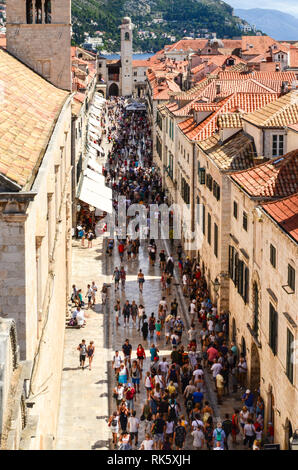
<point>244,102</point>
<point>285,213</point>
<point>276,178</point>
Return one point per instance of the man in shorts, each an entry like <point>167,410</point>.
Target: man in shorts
<point>127,350</point>
<point>83,353</point>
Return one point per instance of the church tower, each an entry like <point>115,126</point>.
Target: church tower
<point>126,56</point>
<point>38,33</point>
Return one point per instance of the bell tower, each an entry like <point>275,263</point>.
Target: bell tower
<point>38,33</point>
<point>126,56</point>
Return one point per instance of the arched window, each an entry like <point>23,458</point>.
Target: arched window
<point>29,11</point>
<point>256,309</point>
<point>38,12</point>
<point>243,347</point>
<point>127,37</point>
<point>48,11</point>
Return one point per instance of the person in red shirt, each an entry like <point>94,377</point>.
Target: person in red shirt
<point>212,354</point>
<point>121,251</point>
<point>129,395</point>
<point>141,355</point>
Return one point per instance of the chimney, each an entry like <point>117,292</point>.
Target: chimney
<point>218,89</point>
<point>284,87</point>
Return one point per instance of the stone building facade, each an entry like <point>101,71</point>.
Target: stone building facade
<point>35,206</point>
<point>39,34</point>
<point>126,57</point>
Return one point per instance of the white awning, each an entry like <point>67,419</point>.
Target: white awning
<point>94,165</point>
<point>94,122</point>
<point>94,129</point>
<point>92,135</point>
<point>96,147</point>
<point>94,194</point>
<point>100,96</point>
<point>92,151</point>
<point>95,111</point>
<point>94,176</point>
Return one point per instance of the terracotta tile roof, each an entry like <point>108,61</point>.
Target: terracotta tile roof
<point>285,213</point>
<point>141,63</point>
<point>293,57</point>
<point>245,102</point>
<point>260,44</point>
<point>230,120</point>
<point>188,45</point>
<point>28,114</point>
<point>276,178</point>
<point>279,113</point>
<point>235,154</point>
<point>294,127</point>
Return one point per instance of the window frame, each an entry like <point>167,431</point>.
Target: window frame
<point>273,256</point>
<point>291,277</point>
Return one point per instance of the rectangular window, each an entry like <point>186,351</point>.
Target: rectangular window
<point>244,223</point>
<point>291,277</point>
<point>273,255</point>
<point>289,359</point>
<point>235,210</point>
<point>240,277</point>
<point>209,229</point>
<point>246,286</point>
<point>216,240</point>
<point>277,145</point>
<point>273,328</point>
<point>231,260</point>
<point>202,176</point>
<point>204,219</point>
<point>236,270</point>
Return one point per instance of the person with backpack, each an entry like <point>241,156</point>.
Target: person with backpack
<point>208,433</point>
<point>172,409</point>
<point>249,433</point>
<point>113,423</point>
<point>227,427</point>
<point>219,436</point>
<point>179,435</point>
<point>116,277</point>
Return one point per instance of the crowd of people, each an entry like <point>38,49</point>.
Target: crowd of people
<point>176,411</point>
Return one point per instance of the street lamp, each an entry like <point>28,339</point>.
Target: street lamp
<point>216,286</point>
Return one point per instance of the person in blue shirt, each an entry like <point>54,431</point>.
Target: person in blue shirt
<point>197,397</point>
<point>248,400</point>
<point>219,436</point>
<point>153,352</point>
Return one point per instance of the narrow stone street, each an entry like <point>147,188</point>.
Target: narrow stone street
<point>84,398</point>
<point>87,396</point>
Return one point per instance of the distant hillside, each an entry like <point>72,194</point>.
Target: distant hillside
<point>276,24</point>
<point>159,19</point>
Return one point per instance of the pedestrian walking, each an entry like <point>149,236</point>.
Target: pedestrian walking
<point>90,353</point>
<point>83,353</point>
<point>141,280</point>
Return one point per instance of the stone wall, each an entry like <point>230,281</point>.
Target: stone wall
<point>43,47</point>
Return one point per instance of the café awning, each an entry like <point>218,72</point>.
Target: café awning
<point>94,165</point>
<point>95,193</point>
<point>94,122</point>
